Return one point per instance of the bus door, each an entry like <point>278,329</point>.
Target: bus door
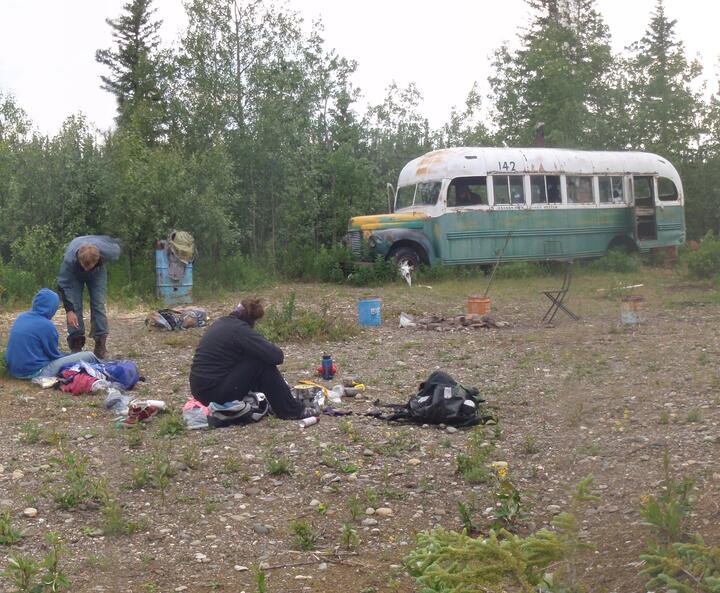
<point>644,206</point>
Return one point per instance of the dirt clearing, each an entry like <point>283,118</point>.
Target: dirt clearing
<point>208,508</point>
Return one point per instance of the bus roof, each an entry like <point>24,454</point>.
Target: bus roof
<point>478,161</point>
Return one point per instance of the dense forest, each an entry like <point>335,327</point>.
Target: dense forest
<point>249,135</point>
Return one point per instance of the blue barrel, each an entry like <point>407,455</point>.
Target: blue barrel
<point>369,311</point>
<point>172,292</point>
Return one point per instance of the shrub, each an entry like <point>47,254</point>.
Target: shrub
<point>16,285</point>
<point>380,272</point>
<point>450,562</point>
<point>233,273</point>
<point>674,560</point>
<point>705,262</point>
<point>38,251</point>
<point>616,260</point>
<point>521,269</point>
<point>288,323</point>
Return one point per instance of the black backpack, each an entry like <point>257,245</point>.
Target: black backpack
<point>442,400</point>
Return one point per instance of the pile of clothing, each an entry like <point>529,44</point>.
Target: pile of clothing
<point>180,318</point>
<point>83,377</point>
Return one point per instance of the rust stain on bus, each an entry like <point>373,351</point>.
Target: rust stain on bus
<point>430,159</point>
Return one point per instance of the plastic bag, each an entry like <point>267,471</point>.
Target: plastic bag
<point>406,320</point>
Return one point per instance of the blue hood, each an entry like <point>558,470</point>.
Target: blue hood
<point>46,303</point>
<point>33,340</point>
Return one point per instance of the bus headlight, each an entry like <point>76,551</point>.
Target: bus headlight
<point>372,241</point>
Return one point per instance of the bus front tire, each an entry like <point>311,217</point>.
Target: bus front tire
<point>406,256</point>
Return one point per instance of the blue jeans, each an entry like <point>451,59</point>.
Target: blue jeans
<point>96,282</point>
<point>52,369</point>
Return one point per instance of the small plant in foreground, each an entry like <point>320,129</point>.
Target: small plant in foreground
<point>507,561</point>
<point>171,424</point>
<point>471,464</point>
<point>530,445</point>
<point>114,521</point>
<point>305,536</point>
<point>508,506</point>
<point>667,514</point>
<point>277,466</point>
<point>30,433</point>
<point>30,576</point>
<point>260,577</point>
<point>79,488</point>
<point>674,560</point>
<point>355,507</point>
<point>466,509</point>
<point>8,534</point>
<point>349,536</point>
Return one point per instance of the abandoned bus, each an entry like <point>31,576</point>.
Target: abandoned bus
<point>466,205</point>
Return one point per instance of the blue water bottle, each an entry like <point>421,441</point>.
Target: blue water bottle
<point>327,364</point>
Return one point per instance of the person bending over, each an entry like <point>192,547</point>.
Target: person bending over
<point>32,348</point>
<point>233,359</point>
<point>84,265</point>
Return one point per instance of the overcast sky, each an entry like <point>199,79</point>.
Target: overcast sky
<point>47,47</point>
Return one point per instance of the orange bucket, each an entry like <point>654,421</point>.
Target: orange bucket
<point>478,305</point>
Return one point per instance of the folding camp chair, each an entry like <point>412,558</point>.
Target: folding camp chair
<point>557,297</point>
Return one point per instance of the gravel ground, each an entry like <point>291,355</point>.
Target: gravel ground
<point>576,398</point>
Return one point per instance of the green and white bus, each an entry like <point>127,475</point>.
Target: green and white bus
<point>463,205</point>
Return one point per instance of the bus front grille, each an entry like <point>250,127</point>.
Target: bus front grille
<point>355,242</point>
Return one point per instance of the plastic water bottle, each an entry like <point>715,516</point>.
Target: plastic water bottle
<point>327,364</point>
<point>305,422</point>
<point>336,394</point>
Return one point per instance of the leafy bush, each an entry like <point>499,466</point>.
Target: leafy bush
<point>39,252</point>
<point>380,272</point>
<point>16,285</point>
<point>328,264</point>
<point>521,269</point>
<point>616,260</point>
<point>705,262</point>
<point>287,323</point>
<point>234,273</point>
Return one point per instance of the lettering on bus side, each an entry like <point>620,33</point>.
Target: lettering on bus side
<point>506,166</point>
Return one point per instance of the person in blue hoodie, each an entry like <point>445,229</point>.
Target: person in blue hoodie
<point>32,348</point>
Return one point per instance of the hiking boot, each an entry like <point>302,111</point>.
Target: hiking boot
<point>76,343</point>
<point>100,350</point>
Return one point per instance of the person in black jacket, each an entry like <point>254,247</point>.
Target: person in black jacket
<point>233,359</point>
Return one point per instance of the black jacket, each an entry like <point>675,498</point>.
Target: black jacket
<point>225,343</point>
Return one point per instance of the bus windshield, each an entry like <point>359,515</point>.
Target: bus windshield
<point>422,194</point>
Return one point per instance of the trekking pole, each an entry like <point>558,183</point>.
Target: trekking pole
<point>499,254</point>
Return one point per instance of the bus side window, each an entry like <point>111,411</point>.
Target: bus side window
<point>538,195</point>
<point>553,189</point>
<point>500,189</point>
<point>579,189</point>
<point>605,187</point>
<point>467,191</point>
<point>517,191</point>
<point>642,190</point>
<point>667,192</point>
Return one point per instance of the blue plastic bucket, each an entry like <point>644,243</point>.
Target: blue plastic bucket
<point>369,311</point>
<point>170,291</point>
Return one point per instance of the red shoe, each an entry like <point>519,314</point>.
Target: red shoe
<point>140,411</point>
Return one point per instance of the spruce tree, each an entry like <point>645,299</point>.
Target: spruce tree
<point>138,74</point>
<point>558,76</point>
<point>666,111</point>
